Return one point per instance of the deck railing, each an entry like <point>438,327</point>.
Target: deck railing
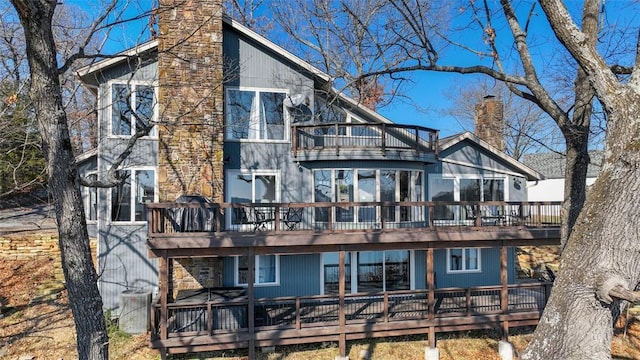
<point>215,317</point>
<point>346,216</point>
<point>364,136</point>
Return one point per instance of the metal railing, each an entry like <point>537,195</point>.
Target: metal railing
<point>166,218</point>
<point>338,136</point>
<point>211,317</point>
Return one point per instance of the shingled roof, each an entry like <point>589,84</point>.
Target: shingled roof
<point>552,165</point>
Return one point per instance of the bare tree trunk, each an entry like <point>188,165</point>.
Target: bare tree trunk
<point>575,176</point>
<point>603,251</point>
<point>64,183</point>
<point>576,133</point>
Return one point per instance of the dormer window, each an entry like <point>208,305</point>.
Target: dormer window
<point>132,109</point>
<point>255,114</point>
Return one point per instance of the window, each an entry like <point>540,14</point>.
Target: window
<point>375,271</point>
<point>466,189</point>
<point>252,114</point>
<point>368,185</point>
<point>463,260</point>
<point>267,270</point>
<point>129,198</point>
<point>331,265</point>
<point>132,108</point>
<point>443,190</point>
<point>259,187</point>
<point>91,199</point>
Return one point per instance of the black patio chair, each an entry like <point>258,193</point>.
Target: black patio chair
<point>292,218</point>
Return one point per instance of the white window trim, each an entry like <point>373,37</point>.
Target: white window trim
<point>253,173</point>
<point>285,114</point>
<point>354,270</point>
<point>236,280</point>
<point>464,271</point>
<point>378,173</point>
<point>87,200</point>
<point>153,134</point>
<point>133,220</point>
<point>232,172</point>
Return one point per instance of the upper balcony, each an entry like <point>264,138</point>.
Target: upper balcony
<point>360,141</point>
<point>192,229</point>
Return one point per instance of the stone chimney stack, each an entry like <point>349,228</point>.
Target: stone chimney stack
<point>190,80</point>
<point>489,121</point>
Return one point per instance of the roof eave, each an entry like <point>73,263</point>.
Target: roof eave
<point>530,173</point>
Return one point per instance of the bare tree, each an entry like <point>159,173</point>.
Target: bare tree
<point>601,260</point>
<point>64,183</point>
<point>526,127</point>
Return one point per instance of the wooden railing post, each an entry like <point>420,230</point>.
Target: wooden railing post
<point>386,307</point>
<point>467,294</point>
<point>209,319</point>
<point>384,139</point>
<point>298,323</point>
<point>504,291</point>
<point>164,290</point>
<point>431,298</point>
<point>342,318</point>
<point>251,306</point>
<point>276,218</point>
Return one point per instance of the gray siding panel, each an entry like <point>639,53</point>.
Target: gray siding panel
<point>490,274</point>
<point>299,276</point>
<point>124,263</point>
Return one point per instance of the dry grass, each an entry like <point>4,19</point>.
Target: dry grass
<point>44,330</point>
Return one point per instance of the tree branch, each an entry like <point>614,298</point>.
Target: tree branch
<point>623,293</point>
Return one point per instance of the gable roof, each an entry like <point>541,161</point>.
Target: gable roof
<point>528,172</point>
<point>318,74</point>
<point>553,164</point>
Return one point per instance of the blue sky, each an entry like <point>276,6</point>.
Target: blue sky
<point>427,102</point>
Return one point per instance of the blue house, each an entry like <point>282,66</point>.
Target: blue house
<point>261,207</point>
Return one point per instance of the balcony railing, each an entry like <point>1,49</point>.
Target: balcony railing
<point>383,137</point>
<point>165,218</point>
<point>216,317</point>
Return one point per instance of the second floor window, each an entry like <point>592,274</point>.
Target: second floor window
<point>132,108</point>
<point>255,115</point>
<point>129,198</point>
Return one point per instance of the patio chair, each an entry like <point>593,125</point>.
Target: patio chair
<point>292,218</point>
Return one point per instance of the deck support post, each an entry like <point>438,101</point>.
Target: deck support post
<point>431,298</point>
<point>251,310</point>
<point>342,319</point>
<point>504,291</point>
<point>164,289</point>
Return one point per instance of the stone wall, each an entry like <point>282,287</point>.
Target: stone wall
<point>30,245</point>
<point>196,273</point>
<point>190,76</point>
<point>191,131</point>
<point>489,122</point>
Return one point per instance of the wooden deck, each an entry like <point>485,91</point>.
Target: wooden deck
<point>200,229</point>
<point>211,324</point>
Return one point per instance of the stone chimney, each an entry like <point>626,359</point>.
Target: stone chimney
<point>190,79</point>
<point>489,121</point>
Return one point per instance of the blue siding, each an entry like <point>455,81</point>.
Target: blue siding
<point>490,274</point>
<point>299,276</point>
